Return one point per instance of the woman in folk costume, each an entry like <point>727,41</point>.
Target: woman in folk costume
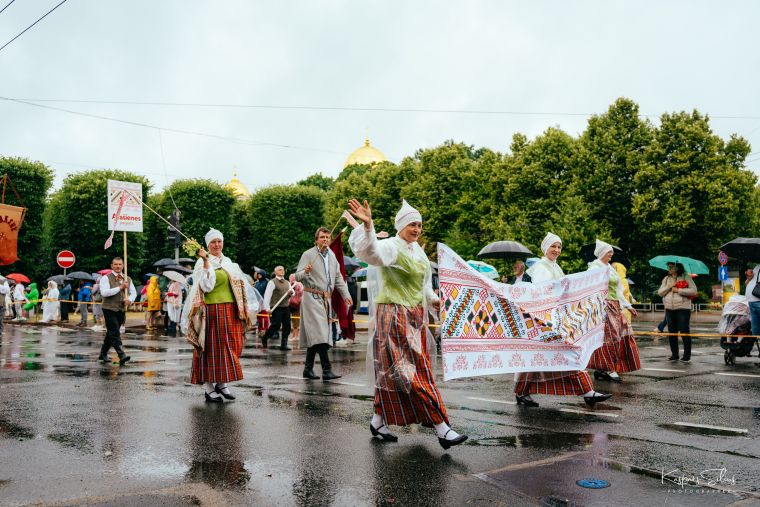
<point>50,305</point>
<point>399,283</point>
<point>153,294</point>
<point>220,305</point>
<point>619,353</point>
<point>560,382</point>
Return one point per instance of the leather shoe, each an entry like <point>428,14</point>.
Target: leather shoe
<point>388,437</point>
<point>524,400</point>
<point>673,358</point>
<point>451,443</point>
<point>285,348</point>
<point>220,391</point>
<point>264,342</point>
<point>601,375</point>
<point>685,359</point>
<point>329,375</point>
<point>103,359</point>
<point>596,398</point>
<point>209,399</point>
<point>308,374</point>
<point>123,360</point>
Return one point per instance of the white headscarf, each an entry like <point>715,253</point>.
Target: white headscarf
<point>213,234</point>
<point>549,240</point>
<point>406,215</point>
<point>602,249</point>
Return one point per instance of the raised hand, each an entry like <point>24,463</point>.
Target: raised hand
<point>362,212</point>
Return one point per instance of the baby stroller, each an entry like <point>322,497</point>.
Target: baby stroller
<point>735,321</point>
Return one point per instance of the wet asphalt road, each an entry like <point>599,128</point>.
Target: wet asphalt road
<point>74,432</point>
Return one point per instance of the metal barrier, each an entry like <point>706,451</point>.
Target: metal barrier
<point>643,307</point>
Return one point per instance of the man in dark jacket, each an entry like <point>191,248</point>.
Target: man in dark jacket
<point>519,273</point>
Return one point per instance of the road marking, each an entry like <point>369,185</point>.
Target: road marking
<point>664,369</point>
<point>710,427</point>
<point>588,412</point>
<point>505,402</point>
<point>342,382</point>
<point>291,377</point>
<point>738,375</point>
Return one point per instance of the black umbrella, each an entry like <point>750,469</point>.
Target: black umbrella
<point>587,254</point>
<point>185,260</point>
<point>164,262</point>
<point>80,275</point>
<point>178,269</point>
<point>58,279</point>
<point>504,250</point>
<point>746,249</point>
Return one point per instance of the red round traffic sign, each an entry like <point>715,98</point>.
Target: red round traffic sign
<point>722,258</point>
<point>66,259</point>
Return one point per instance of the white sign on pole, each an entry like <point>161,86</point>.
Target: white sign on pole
<point>131,216</point>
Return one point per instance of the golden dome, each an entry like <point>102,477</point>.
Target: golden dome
<point>237,187</point>
<point>366,155</point>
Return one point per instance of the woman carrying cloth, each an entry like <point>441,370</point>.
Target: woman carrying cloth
<point>553,382</point>
<point>219,308</point>
<point>399,283</point>
<point>619,353</point>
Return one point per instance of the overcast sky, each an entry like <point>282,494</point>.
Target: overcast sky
<point>527,56</point>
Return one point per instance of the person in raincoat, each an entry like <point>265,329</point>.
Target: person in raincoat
<point>619,353</point>
<point>563,383</point>
<point>220,306</point>
<point>174,306</point>
<point>50,304</point>
<point>153,293</point>
<point>31,297</point>
<point>400,344</point>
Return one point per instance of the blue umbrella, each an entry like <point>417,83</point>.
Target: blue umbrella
<point>484,268</point>
<point>692,266</point>
<point>360,273</point>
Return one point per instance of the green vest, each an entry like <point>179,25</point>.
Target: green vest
<point>222,292</point>
<point>403,282</point>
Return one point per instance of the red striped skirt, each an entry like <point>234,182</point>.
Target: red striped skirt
<point>574,383</point>
<point>220,361</point>
<point>413,399</point>
<point>619,352</point>
<point>262,321</point>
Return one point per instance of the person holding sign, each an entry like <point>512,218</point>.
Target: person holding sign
<point>400,346</point>
<point>118,292</point>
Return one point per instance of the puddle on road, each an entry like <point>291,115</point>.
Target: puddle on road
<point>554,441</point>
<point>78,442</point>
<point>723,432</point>
<point>220,474</point>
<point>10,430</point>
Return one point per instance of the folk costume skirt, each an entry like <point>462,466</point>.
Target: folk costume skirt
<point>408,396</point>
<point>220,360</point>
<point>619,352</point>
<point>566,384</point>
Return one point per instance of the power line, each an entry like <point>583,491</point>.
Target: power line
<point>165,129</point>
<point>6,6</point>
<point>30,26</point>
<point>349,108</point>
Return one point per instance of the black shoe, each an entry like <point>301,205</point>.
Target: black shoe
<point>685,359</point>
<point>451,443</point>
<point>123,360</point>
<point>602,375</point>
<point>329,375</point>
<point>264,342</point>
<point>209,399</point>
<point>596,398</point>
<point>103,359</point>
<point>673,358</point>
<point>308,374</point>
<point>285,348</point>
<point>524,400</point>
<point>220,391</point>
<point>388,437</point>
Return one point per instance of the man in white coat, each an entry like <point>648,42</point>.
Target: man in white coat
<point>319,272</point>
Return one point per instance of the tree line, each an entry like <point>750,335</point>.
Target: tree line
<point>675,187</point>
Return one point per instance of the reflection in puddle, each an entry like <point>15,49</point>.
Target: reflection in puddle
<point>554,441</point>
<point>10,430</point>
<point>220,474</point>
<point>78,442</point>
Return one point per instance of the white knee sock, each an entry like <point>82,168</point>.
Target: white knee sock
<point>224,387</point>
<point>443,430</point>
<point>378,423</point>
<point>614,374</point>
<point>209,388</point>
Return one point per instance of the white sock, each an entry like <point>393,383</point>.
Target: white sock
<point>443,430</point>
<point>209,388</point>
<point>614,375</point>
<point>527,397</point>
<point>589,394</point>
<point>379,424</point>
<point>224,387</point>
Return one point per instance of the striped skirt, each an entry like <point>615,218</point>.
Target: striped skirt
<point>404,395</point>
<point>619,352</point>
<point>220,361</point>
<point>573,383</point>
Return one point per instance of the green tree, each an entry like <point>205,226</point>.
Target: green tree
<point>77,219</point>
<point>32,181</point>
<point>281,222</point>
<point>203,204</point>
<point>318,180</point>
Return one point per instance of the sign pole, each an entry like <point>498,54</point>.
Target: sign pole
<point>125,253</point>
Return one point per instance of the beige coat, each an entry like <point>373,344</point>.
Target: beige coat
<point>680,300</point>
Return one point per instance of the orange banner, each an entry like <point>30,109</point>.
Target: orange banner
<point>11,218</point>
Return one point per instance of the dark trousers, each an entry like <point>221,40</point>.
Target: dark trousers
<point>64,312</point>
<point>280,317</point>
<point>311,354</point>
<point>678,322</point>
<point>114,320</point>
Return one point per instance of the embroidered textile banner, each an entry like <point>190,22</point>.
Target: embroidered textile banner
<point>11,218</point>
<point>489,328</point>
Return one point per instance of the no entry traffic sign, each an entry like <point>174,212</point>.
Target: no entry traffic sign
<point>65,259</point>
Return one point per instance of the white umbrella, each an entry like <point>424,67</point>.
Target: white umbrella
<point>175,277</point>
